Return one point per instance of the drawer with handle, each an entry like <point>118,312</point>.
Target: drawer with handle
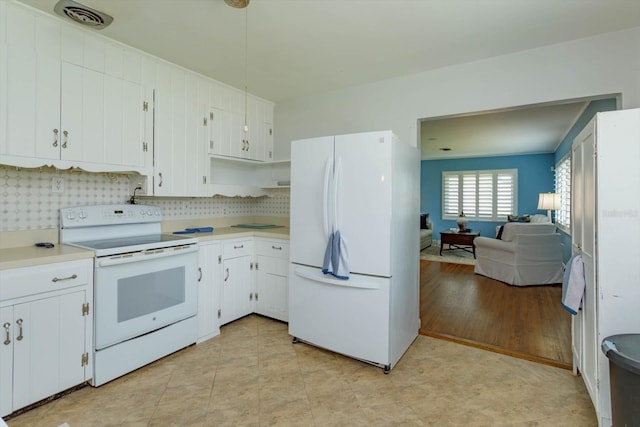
<point>235,248</point>
<point>273,248</point>
<point>22,282</point>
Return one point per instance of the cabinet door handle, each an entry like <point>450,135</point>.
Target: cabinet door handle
<point>277,248</point>
<point>65,139</point>
<point>226,277</point>
<point>200,271</point>
<point>238,247</point>
<point>58,279</point>
<point>7,339</point>
<point>160,176</point>
<point>55,137</point>
<point>19,337</point>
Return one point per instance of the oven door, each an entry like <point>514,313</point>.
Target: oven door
<point>144,291</point>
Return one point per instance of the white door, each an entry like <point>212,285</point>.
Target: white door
<point>311,173</point>
<point>583,239</point>
<point>364,182</point>
<point>48,347</point>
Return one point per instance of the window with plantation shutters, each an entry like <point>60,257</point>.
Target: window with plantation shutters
<point>487,195</point>
<point>563,187</point>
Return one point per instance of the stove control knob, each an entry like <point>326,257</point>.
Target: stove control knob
<point>142,212</point>
<point>157,212</point>
<point>149,212</point>
<point>71,215</point>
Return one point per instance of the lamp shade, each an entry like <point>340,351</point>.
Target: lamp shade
<point>549,201</point>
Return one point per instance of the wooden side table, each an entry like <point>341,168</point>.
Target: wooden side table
<point>458,240</point>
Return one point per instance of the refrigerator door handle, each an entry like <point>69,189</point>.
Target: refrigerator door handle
<point>318,276</point>
<point>325,196</point>
<point>336,188</point>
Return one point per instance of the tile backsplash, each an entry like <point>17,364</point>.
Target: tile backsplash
<point>32,198</point>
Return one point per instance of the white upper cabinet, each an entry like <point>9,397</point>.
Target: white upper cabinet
<point>227,135</point>
<point>29,87</point>
<point>102,99</point>
<point>180,148</point>
<point>69,98</point>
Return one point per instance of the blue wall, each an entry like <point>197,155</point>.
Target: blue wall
<point>535,176</point>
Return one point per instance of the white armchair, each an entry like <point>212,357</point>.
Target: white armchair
<point>527,254</point>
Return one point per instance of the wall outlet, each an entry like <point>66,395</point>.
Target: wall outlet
<point>57,184</point>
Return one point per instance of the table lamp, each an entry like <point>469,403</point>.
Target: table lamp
<point>549,202</point>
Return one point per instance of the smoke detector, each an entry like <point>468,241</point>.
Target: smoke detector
<point>83,14</point>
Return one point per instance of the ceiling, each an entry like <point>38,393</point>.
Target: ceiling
<point>301,47</point>
<point>526,130</point>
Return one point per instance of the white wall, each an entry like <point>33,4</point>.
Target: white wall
<point>604,64</point>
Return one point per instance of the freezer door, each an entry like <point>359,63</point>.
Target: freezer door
<point>311,178</point>
<point>350,317</point>
<point>364,183</point>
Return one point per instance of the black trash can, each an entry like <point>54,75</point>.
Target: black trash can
<point>623,352</point>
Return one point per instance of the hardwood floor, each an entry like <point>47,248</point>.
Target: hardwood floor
<point>525,322</point>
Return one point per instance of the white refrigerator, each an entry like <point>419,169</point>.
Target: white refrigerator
<point>365,185</point>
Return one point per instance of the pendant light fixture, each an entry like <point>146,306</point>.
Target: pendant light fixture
<point>242,4</point>
<point>238,4</point>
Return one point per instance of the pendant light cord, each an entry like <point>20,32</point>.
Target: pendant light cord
<point>246,55</point>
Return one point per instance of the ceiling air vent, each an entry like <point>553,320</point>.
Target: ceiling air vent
<point>83,14</point>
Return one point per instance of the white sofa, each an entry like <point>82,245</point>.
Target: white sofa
<point>527,254</point>
<point>426,236</point>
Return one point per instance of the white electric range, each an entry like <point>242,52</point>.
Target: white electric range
<point>145,285</point>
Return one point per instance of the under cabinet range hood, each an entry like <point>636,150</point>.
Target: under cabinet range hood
<point>82,14</point>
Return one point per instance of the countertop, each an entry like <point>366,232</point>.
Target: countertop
<point>28,256</point>
<point>234,233</point>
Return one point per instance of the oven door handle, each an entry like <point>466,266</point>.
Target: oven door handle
<point>146,255</point>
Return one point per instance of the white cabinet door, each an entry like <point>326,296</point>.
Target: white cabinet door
<point>219,132</point>
<point>272,278</point>
<point>236,289</point>
<point>47,331</point>
<point>272,284</point>
<point>179,146</point>
<point>210,269</point>
<point>48,348</point>
<point>6,360</point>
<point>29,87</point>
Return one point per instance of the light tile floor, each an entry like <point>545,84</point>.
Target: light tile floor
<point>252,375</point>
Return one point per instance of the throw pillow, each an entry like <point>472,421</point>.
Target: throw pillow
<point>424,218</point>
<point>516,218</point>
<point>500,230</point>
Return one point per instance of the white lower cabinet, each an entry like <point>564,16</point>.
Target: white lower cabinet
<point>272,278</point>
<point>47,326</point>
<point>210,270</point>
<point>237,281</point>
<point>239,277</point>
